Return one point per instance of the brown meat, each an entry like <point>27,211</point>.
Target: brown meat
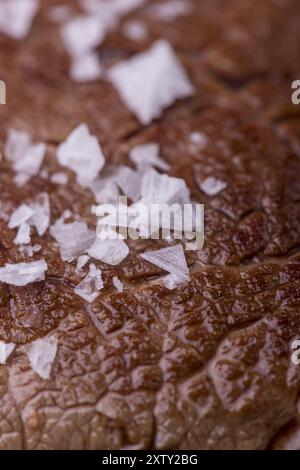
<point>208,365</point>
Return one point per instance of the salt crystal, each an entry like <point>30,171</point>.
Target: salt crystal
<point>89,287</point>
<point>41,354</point>
<point>21,274</point>
<point>59,178</point>
<point>170,259</point>
<point>21,179</point>
<point>86,68</point>
<point>26,157</point>
<point>16,17</point>
<point>212,186</point>
<point>81,262</point>
<point>157,188</point>
<point>118,284</point>
<point>41,213</point>
<point>129,181</point>
<point>151,81</point>
<point>82,34</point>
<point>135,30</point>
<point>30,250</point>
<point>198,138</point>
<point>105,190</point>
<point>171,10</point>
<point>81,153</point>
<point>146,156</point>
<point>5,351</point>
<point>74,238</point>
<point>108,251</point>
<point>20,215</point>
<point>23,235</point>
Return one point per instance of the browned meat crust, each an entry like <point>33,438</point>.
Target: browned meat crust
<point>206,366</point>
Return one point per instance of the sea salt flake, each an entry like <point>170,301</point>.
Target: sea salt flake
<point>26,158</point>
<point>59,178</point>
<point>86,68</point>
<point>129,181</point>
<point>20,215</point>
<point>30,250</point>
<point>118,284</point>
<point>108,251</point>
<point>171,10</point>
<point>111,9</point>
<point>198,138</point>
<point>134,30</point>
<point>74,239</point>
<point>23,235</point>
<point>170,259</point>
<point>21,274</point>
<point>105,190</point>
<point>151,81</point>
<point>41,354</point>
<point>82,34</point>
<point>16,17</point>
<point>5,351</point>
<point>41,213</point>
<point>60,13</point>
<point>212,186</point>
<point>81,262</point>
<point>146,156</point>
<point>81,153</point>
<point>89,287</point>
<point>157,188</point>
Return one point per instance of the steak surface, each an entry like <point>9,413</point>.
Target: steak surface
<point>208,364</point>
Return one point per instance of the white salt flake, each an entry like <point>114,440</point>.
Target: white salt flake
<point>89,287</point>
<point>74,239</point>
<point>105,190</point>
<point>146,156</point>
<point>135,30</point>
<point>171,10</point>
<point>81,153</point>
<point>20,215</point>
<point>21,274</point>
<point>81,262</point>
<point>170,259</point>
<point>151,81</point>
<point>212,186</point>
<point>118,284</point>
<point>198,138</point>
<point>82,34</point>
<point>16,17</point>
<point>59,178</point>
<point>41,354</point>
<point>23,235</point>
<point>86,68</point>
<point>27,158</point>
<point>129,181</point>
<point>41,213</point>
<point>108,251</point>
<point>5,351</point>
<point>157,188</point>
<point>30,250</point>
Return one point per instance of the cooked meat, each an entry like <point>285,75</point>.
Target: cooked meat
<point>206,365</point>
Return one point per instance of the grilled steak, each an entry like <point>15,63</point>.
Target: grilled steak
<point>206,365</point>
